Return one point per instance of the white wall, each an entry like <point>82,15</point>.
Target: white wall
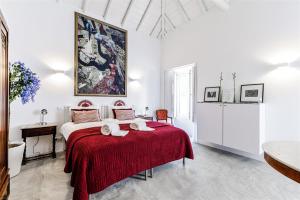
<point>247,39</point>
<point>42,36</point>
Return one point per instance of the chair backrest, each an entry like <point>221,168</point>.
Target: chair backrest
<point>162,114</point>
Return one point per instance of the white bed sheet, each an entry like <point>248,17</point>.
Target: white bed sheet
<point>69,127</point>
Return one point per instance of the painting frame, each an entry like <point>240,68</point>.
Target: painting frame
<point>76,57</point>
<point>259,87</point>
<point>215,99</point>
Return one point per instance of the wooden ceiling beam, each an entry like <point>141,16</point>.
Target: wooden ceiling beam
<point>169,21</point>
<point>183,10</point>
<point>83,5</point>
<point>143,16</point>
<point>157,21</point>
<point>126,12</point>
<point>165,33</point>
<point>203,5</point>
<point>159,33</point>
<point>106,8</point>
<point>221,4</point>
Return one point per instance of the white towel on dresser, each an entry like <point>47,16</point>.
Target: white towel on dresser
<point>140,126</point>
<point>112,129</point>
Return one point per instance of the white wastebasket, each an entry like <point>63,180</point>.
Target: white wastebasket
<point>15,156</point>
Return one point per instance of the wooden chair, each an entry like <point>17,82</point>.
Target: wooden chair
<point>162,114</point>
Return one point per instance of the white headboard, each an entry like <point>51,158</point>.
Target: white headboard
<point>104,110</point>
<point>82,105</point>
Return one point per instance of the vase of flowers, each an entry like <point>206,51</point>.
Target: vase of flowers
<point>22,83</point>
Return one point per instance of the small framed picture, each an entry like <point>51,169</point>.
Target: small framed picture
<point>252,93</point>
<point>228,95</point>
<point>212,94</point>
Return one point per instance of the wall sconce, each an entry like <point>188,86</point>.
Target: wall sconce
<point>134,76</point>
<point>59,66</point>
<point>134,79</point>
<point>295,63</point>
<point>61,71</point>
<point>134,82</point>
<point>284,64</point>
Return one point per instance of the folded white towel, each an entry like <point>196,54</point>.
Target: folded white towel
<point>120,133</point>
<point>140,126</point>
<point>113,129</point>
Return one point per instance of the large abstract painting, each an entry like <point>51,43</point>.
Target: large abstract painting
<point>100,58</point>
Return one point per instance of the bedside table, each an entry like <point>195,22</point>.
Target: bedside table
<point>36,130</point>
<point>150,118</point>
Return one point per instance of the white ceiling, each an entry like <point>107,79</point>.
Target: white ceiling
<point>174,9</point>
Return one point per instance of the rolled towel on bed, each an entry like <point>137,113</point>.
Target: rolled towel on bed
<point>140,126</point>
<point>120,133</point>
<point>113,129</point>
<point>107,128</point>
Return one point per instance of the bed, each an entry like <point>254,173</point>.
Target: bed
<point>97,161</point>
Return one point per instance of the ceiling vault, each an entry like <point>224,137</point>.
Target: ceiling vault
<point>181,11</point>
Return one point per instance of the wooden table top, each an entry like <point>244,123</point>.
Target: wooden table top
<point>284,156</point>
<point>37,125</point>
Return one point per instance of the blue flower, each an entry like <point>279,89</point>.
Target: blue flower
<point>23,83</point>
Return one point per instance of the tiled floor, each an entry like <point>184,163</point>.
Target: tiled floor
<point>213,175</point>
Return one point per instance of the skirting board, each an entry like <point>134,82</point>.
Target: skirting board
<point>234,151</point>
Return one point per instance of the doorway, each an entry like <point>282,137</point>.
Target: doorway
<point>179,96</point>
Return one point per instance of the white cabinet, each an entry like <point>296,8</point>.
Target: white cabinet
<point>243,127</point>
<point>238,126</point>
<point>209,122</point>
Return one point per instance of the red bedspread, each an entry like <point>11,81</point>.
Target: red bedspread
<point>97,161</point>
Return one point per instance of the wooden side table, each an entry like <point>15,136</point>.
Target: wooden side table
<point>150,118</point>
<point>36,130</point>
